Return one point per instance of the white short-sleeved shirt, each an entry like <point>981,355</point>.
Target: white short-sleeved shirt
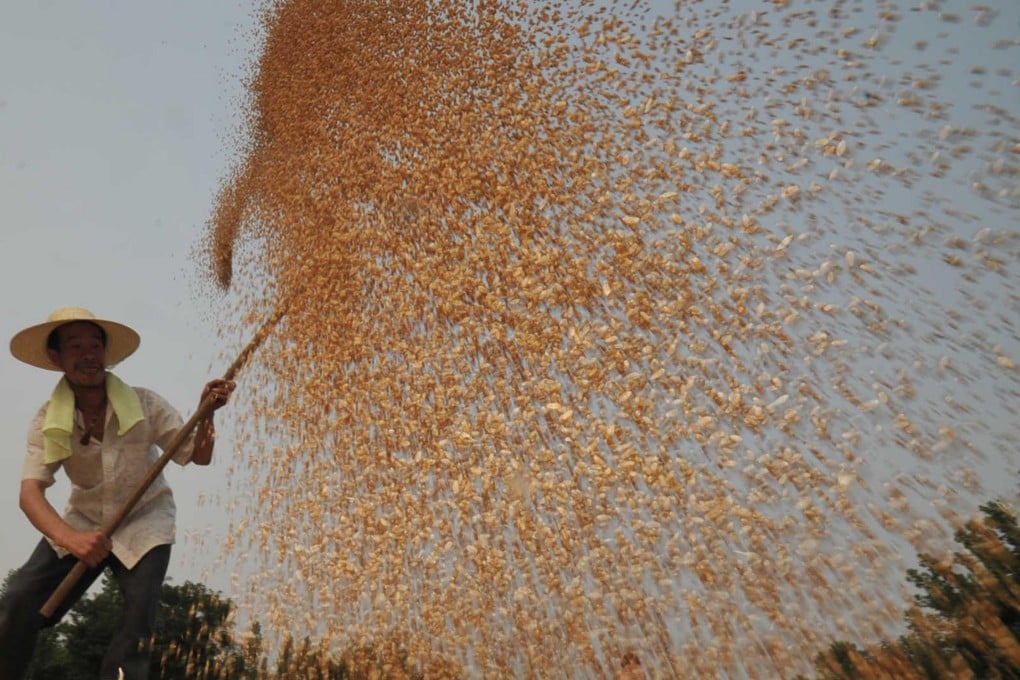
<point>104,474</point>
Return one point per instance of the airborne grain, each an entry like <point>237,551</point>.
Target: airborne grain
<point>616,327</point>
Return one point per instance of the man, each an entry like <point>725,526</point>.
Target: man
<point>104,434</point>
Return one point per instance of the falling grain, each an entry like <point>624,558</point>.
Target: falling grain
<point>594,317</point>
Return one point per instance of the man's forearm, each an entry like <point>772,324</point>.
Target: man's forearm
<point>41,514</point>
<point>91,547</point>
<point>205,439</point>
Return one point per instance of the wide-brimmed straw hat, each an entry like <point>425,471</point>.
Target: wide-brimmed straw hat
<point>30,344</point>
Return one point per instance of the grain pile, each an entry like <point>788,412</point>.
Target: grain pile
<point>619,327</point>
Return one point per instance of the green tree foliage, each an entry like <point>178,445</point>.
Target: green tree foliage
<point>310,662</point>
<point>86,630</point>
<point>254,661</point>
<point>966,622</point>
<point>193,634</point>
<point>193,637</point>
<point>51,659</point>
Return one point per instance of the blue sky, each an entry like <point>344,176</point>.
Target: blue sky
<point>116,121</point>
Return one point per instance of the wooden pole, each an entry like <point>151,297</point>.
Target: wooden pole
<point>203,411</point>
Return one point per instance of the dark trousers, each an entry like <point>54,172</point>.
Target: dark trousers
<point>32,585</point>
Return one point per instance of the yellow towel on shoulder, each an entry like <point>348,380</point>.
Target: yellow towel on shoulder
<point>59,420</point>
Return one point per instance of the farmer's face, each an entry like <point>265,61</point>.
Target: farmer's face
<point>81,354</point>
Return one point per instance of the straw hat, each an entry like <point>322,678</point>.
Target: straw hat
<point>30,344</point>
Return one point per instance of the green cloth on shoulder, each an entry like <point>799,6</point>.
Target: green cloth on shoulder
<point>59,421</point>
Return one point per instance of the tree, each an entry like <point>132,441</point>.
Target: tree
<point>192,637</point>
<point>254,661</point>
<point>966,621</point>
<point>50,659</point>
<point>975,595</point>
<point>304,661</point>
<point>87,629</point>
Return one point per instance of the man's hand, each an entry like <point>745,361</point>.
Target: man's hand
<point>217,393</point>
<point>220,391</point>
<point>91,547</point>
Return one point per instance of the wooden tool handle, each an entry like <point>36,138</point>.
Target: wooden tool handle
<point>64,589</point>
<point>205,408</point>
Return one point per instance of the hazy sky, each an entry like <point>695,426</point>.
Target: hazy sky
<point>115,121</point>
<point>115,127</point>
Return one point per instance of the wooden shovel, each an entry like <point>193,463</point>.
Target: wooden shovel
<point>204,409</point>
